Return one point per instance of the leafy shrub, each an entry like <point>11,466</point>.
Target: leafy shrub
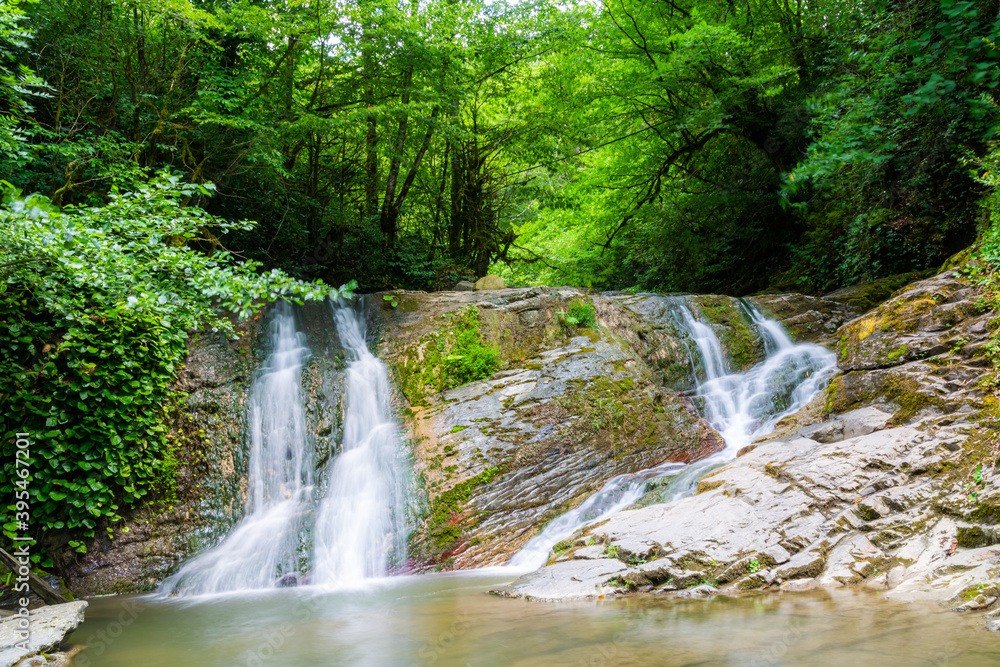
<point>470,358</point>
<point>579,314</point>
<point>96,304</point>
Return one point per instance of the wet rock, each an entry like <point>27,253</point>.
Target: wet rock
<point>851,561</point>
<point>501,457</point>
<point>848,425</point>
<point>489,283</point>
<point>49,628</point>
<point>800,509</point>
<point>572,580</point>
<point>866,296</point>
<point>648,323</point>
<point>809,319</point>
<point>926,319</point>
<point>704,591</point>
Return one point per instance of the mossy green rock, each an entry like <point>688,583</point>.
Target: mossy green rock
<point>866,296</point>
<point>569,409</point>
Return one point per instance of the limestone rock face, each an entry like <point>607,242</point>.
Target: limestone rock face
<point>570,408</point>
<point>489,283</point>
<point>886,481</point>
<point>50,626</point>
<point>837,512</point>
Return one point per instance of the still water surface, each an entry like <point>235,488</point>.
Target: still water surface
<point>450,620</point>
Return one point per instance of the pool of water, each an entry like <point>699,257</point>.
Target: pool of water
<point>451,620</point>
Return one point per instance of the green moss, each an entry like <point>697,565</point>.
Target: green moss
<point>867,296</point>
<point>740,340</point>
<point>859,388</point>
<point>442,532</point>
<point>455,355</point>
<point>893,356</point>
<point>457,428</point>
<point>986,513</point>
<point>565,545</point>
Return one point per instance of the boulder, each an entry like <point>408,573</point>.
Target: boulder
<point>50,626</point>
<point>489,283</point>
<point>464,286</point>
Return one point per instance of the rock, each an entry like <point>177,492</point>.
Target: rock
<point>851,561</point>
<point>848,425</point>
<point>870,484</point>
<point>928,318</point>
<point>571,580</point>
<point>808,319</point>
<point>501,457</point>
<point>703,591</point>
<point>49,628</point>
<point>798,585</point>
<point>489,283</point>
<point>864,421</point>
<point>649,323</point>
<point>791,495</point>
<point>464,286</point>
<point>866,296</point>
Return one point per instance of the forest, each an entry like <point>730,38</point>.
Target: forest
<point>166,163</point>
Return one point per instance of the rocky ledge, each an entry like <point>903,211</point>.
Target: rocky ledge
<point>569,408</point>
<point>48,629</point>
<point>885,481</point>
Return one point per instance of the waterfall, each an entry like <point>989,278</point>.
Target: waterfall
<point>264,546</point>
<point>740,406</point>
<point>361,528</point>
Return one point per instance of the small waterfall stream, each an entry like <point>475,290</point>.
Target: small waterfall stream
<point>358,530</point>
<point>361,529</point>
<point>740,406</point>
<point>264,546</point>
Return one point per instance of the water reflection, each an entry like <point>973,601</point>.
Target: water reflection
<point>450,620</point>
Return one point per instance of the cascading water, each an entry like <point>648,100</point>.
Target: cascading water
<point>264,546</point>
<point>361,529</point>
<point>740,406</point>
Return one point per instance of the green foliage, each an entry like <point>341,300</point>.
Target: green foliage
<point>18,85</point>
<point>469,357</point>
<point>96,305</point>
<point>579,314</point>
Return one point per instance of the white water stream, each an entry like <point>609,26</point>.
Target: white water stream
<point>740,406</point>
<point>361,529</point>
<point>264,546</point>
<point>358,530</point>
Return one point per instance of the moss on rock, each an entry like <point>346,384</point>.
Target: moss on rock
<point>739,337</point>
